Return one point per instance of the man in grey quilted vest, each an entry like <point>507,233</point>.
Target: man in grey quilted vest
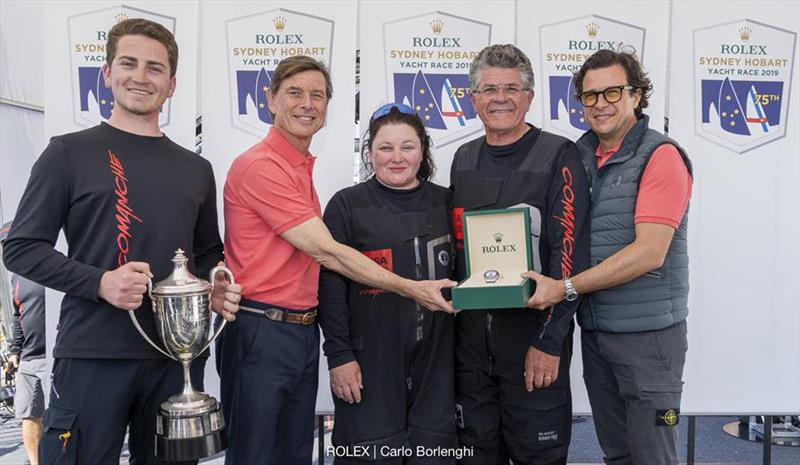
<point>634,297</point>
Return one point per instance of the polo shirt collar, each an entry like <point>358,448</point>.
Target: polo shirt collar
<point>282,147</point>
<point>600,153</point>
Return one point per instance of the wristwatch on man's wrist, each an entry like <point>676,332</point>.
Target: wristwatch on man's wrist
<point>570,294</point>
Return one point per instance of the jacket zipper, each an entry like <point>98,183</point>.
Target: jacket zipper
<point>420,316</point>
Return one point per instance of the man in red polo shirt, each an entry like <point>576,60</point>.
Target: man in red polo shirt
<point>275,242</point>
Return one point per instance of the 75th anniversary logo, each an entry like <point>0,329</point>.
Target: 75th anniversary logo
<point>427,68</point>
<point>742,75</point>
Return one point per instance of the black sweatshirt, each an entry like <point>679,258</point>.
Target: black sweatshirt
<point>28,319</point>
<point>333,287</point>
<point>119,197</point>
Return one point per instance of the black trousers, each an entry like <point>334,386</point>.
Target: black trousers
<point>497,417</point>
<point>407,404</point>
<point>94,401</point>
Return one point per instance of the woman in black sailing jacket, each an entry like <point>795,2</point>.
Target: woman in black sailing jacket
<point>391,361</point>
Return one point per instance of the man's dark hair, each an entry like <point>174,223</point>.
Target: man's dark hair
<point>288,67</point>
<point>147,28</point>
<point>636,76</point>
<point>426,167</point>
<point>501,56</point>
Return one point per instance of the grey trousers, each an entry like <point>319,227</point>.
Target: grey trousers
<point>634,381</point>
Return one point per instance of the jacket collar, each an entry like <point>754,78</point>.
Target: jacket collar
<point>627,150</point>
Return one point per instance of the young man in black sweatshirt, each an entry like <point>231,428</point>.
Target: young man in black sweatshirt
<point>126,197</point>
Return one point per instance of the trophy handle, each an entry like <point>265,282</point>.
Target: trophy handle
<point>139,328</point>
<point>211,275</point>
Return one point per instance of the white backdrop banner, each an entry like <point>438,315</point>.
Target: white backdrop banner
<point>242,45</point>
<point>418,53</point>
<point>558,42</point>
<point>738,66</point>
<point>21,142</point>
<point>21,138</point>
<point>742,77</point>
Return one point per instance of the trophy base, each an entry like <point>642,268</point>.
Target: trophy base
<point>189,435</point>
<point>187,449</point>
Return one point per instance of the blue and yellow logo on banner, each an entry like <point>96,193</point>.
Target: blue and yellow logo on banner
<point>441,100</point>
<point>742,74</point>
<point>427,68</point>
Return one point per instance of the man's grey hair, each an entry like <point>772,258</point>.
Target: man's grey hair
<point>501,56</point>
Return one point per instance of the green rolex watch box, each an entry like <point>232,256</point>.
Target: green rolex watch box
<point>497,248</point>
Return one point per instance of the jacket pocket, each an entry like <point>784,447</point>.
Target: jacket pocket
<point>665,399</point>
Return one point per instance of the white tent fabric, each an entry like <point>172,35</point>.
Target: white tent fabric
<point>21,77</point>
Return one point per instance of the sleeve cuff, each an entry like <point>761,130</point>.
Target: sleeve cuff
<point>94,289</point>
<point>656,219</point>
<point>547,346</point>
<point>340,359</point>
<point>290,224</point>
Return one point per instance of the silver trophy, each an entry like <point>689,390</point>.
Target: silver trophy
<point>189,425</point>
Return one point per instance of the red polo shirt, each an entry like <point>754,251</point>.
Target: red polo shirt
<point>665,188</point>
<point>268,191</point>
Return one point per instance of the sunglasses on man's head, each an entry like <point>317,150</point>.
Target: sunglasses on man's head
<point>384,110</point>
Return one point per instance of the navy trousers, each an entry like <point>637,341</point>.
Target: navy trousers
<point>269,376</point>
<point>93,401</point>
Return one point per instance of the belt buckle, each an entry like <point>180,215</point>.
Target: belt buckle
<point>308,318</point>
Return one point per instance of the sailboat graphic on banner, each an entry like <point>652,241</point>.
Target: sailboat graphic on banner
<point>755,112</point>
<point>744,108</point>
<point>440,100</point>
<point>451,108</point>
<point>425,103</point>
<point>251,91</point>
<point>743,103</point>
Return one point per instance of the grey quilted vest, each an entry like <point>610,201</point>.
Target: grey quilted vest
<point>657,299</point>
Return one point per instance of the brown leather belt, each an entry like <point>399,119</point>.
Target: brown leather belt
<point>279,314</point>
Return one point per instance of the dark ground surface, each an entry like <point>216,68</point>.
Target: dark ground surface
<point>713,446</point>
